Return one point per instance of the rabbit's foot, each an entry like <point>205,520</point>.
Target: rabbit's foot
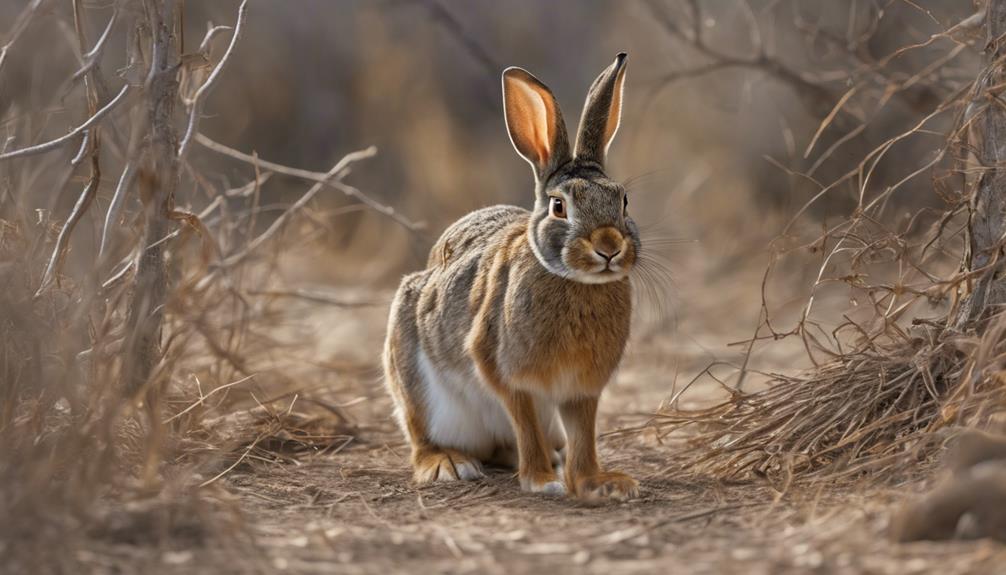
<point>606,484</point>
<point>547,483</point>
<point>438,464</point>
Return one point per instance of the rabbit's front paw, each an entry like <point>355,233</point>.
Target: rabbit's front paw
<point>606,484</point>
<point>542,482</point>
<point>446,465</point>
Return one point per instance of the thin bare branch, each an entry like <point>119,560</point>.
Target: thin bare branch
<point>94,54</point>
<point>313,176</point>
<point>196,105</point>
<point>85,145</point>
<point>118,199</point>
<point>316,296</point>
<point>60,249</point>
<point>279,222</point>
<point>19,26</point>
<point>62,140</point>
<point>204,46</point>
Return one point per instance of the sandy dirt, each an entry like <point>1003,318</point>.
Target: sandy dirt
<point>353,508</point>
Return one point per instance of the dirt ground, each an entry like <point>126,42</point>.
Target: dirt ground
<point>353,508</point>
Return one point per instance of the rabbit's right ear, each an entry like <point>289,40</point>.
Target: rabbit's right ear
<point>534,121</point>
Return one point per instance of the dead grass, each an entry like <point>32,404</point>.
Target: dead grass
<point>869,415</point>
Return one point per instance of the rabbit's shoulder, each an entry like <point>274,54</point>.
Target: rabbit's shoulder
<point>473,233</point>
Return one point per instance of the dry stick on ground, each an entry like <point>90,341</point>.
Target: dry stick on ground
<point>316,296</point>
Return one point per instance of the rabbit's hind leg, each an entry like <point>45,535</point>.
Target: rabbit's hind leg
<point>444,435</point>
<point>405,374</point>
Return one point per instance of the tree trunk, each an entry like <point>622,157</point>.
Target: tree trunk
<point>987,212</point>
<point>158,179</point>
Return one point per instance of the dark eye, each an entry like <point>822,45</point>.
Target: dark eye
<point>625,202</point>
<point>557,207</point>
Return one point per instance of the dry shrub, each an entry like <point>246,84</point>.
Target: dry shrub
<point>878,412</point>
<point>886,389</point>
<point>91,457</point>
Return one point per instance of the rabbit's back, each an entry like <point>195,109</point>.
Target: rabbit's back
<point>473,234</point>
<point>446,305</point>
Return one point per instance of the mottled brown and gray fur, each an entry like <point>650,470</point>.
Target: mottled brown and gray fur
<point>523,315</point>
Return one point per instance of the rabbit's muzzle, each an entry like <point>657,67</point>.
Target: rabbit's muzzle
<point>606,255</point>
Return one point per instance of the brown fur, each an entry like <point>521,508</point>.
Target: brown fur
<point>584,477</point>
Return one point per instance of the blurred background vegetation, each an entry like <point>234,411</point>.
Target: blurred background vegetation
<point>702,143</point>
<point>741,117</point>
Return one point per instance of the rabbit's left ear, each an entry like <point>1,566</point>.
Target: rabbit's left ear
<point>601,113</point>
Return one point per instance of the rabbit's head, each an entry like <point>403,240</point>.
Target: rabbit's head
<point>580,228</point>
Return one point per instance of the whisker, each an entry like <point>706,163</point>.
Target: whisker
<point>643,178</point>
<point>654,287</point>
<point>651,242</point>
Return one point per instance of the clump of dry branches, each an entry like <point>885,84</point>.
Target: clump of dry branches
<point>137,363</point>
<point>885,386</point>
<point>865,412</point>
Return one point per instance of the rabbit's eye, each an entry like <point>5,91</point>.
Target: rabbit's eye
<point>557,207</point>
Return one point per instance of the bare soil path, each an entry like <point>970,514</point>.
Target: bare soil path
<point>356,510</point>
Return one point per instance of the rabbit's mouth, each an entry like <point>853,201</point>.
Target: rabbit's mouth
<point>589,265</point>
<point>611,274</point>
<point>602,276</point>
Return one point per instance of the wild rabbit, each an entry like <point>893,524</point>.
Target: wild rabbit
<point>522,314</point>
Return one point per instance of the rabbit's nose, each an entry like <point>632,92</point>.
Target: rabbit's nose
<point>606,254</point>
<point>607,242</point>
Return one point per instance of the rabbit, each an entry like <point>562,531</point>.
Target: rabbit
<point>499,350</point>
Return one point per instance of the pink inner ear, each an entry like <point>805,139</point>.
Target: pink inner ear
<point>529,118</point>
<point>615,111</point>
